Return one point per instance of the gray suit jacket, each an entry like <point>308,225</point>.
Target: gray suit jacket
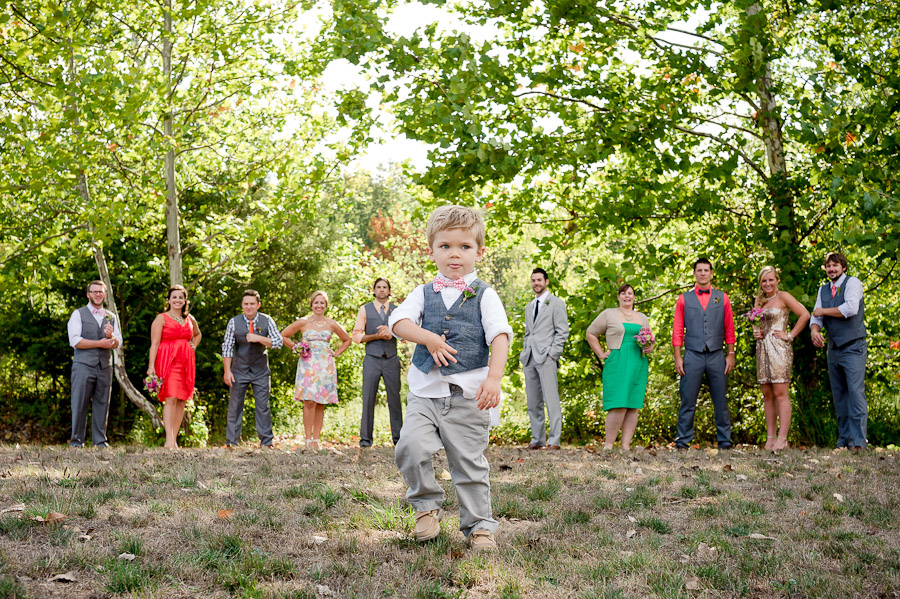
<point>548,335</point>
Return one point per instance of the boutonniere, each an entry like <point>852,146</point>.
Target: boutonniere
<point>469,292</point>
<point>717,299</point>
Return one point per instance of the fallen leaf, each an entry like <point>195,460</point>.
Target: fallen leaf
<point>632,519</point>
<point>630,534</point>
<point>52,518</point>
<point>67,577</point>
<point>629,489</point>
<point>684,558</point>
<point>225,514</point>
<point>839,497</point>
<point>504,467</point>
<point>19,507</point>
<point>741,477</point>
<point>128,557</point>
<point>639,471</point>
<point>318,540</point>
<point>445,475</point>
<point>727,468</point>
<point>85,538</point>
<point>692,583</point>
<point>712,452</point>
<point>323,590</point>
<point>756,535</point>
<point>705,551</point>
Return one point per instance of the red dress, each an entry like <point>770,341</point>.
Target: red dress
<point>175,361</point>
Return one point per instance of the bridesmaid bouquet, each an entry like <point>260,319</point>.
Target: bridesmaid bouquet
<point>153,384</point>
<point>645,338</point>
<point>303,349</point>
<point>755,316</point>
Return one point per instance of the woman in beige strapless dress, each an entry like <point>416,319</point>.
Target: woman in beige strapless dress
<point>775,355</point>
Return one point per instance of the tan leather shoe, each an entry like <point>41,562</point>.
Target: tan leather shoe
<point>482,540</point>
<point>534,446</point>
<point>553,447</point>
<point>428,524</point>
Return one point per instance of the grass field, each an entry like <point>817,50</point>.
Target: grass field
<point>250,523</point>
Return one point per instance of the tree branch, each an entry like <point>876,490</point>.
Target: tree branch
<point>750,162</point>
<point>33,247</point>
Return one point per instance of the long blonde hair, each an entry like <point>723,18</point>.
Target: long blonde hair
<point>761,296</point>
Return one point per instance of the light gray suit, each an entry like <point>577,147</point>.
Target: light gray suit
<point>542,347</point>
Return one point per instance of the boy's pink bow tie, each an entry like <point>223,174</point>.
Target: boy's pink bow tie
<point>441,282</point>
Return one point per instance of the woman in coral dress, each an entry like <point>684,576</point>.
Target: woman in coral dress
<point>174,335</point>
<point>316,381</point>
<point>775,354</point>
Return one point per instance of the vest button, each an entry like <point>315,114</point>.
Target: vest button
<point>446,331</point>
<point>448,317</point>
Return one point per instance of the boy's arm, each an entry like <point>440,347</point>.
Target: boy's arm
<point>488,395</point>
<point>437,346</point>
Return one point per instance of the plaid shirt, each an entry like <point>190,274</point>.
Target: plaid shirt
<point>274,334</point>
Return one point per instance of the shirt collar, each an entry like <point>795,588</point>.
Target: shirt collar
<point>840,281</point>
<point>543,297</point>
<point>697,288</point>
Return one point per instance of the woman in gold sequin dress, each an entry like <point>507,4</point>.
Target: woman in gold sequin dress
<point>775,354</point>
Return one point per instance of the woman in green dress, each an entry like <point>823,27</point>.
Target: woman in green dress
<point>626,365</point>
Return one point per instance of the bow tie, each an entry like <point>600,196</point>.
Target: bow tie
<point>702,291</point>
<point>441,282</point>
<point>101,311</point>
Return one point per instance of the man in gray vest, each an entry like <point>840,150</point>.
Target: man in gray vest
<point>248,337</point>
<point>703,324</point>
<point>381,362</point>
<point>546,331</point>
<point>841,310</point>
<point>93,332</point>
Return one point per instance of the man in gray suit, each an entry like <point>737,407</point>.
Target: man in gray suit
<point>248,338</point>
<point>841,310</point>
<point>381,362</point>
<point>546,331</point>
<point>93,332</point>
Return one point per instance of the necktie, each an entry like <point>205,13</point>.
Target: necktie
<point>833,290</point>
<point>250,326</point>
<point>441,282</point>
<point>383,312</point>
<point>702,291</point>
<point>536,304</point>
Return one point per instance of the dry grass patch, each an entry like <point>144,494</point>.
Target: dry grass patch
<point>278,525</point>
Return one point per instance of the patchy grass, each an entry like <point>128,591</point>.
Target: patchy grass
<point>287,525</point>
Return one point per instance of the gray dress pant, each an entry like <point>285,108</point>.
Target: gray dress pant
<point>710,364</point>
<point>461,428</point>
<point>261,388</point>
<point>847,371</point>
<point>376,368</point>
<point>90,383</point>
<point>541,388</point>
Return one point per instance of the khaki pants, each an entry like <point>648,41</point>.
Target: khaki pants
<point>461,428</point>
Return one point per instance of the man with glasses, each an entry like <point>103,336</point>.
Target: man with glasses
<point>93,333</point>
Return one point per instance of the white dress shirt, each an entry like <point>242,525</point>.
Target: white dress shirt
<point>853,292</point>
<point>74,326</point>
<point>493,321</point>
<point>542,301</point>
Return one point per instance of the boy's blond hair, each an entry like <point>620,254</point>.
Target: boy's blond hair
<point>455,217</point>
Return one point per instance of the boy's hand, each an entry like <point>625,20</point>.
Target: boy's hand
<point>440,350</point>
<point>488,395</point>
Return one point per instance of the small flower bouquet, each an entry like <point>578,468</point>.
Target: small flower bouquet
<point>646,339</point>
<point>755,316</point>
<point>469,292</point>
<point>303,349</point>
<point>153,384</point>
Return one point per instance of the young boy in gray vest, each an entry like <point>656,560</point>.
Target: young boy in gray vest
<point>462,334</point>
<point>248,338</point>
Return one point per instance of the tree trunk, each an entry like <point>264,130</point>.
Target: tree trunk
<point>119,353</point>
<point>173,236</point>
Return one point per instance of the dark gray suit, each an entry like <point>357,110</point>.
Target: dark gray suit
<point>541,348</point>
<point>847,352</point>
<point>91,380</point>
<point>381,362</point>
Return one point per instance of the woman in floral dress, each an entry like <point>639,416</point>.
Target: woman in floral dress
<point>316,381</point>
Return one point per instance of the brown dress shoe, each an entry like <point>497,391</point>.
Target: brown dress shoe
<point>534,446</point>
<point>553,447</point>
